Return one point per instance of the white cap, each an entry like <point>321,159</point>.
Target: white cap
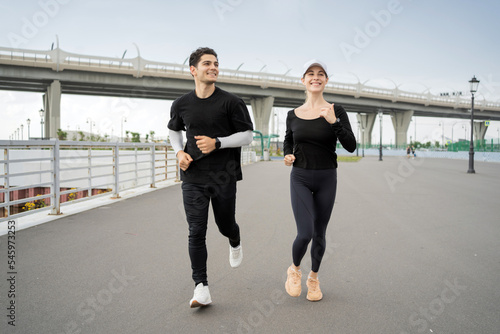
<point>315,62</point>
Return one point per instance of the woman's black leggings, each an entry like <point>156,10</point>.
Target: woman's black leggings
<point>313,195</point>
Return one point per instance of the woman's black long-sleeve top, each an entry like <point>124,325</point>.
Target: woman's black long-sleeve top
<point>313,141</point>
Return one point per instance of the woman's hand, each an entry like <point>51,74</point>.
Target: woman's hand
<point>289,159</point>
<point>328,114</point>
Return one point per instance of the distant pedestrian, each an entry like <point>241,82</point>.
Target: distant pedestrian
<point>413,151</point>
<point>217,124</point>
<point>408,151</point>
<point>312,131</point>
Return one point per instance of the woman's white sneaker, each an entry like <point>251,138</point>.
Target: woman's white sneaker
<point>235,256</point>
<point>201,296</point>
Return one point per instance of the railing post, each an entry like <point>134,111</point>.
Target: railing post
<point>136,167</point>
<point>153,170</point>
<point>89,170</point>
<point>56,191</point>
<point>116,170</point>
<point>6,180</point>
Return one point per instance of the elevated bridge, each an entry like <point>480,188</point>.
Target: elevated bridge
<point>56,72</point>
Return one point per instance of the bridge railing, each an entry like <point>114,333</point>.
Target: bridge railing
<point>45,175</point>
<point>59,60</point>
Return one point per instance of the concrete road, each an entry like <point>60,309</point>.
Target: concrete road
<point>413,247</point>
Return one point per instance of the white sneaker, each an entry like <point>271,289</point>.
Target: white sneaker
<point>201,296</point>
<point>235,256</point>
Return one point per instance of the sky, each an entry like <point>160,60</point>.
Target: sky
<point>416,45</point>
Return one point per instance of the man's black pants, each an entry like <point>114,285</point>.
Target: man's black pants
<point>196,203</point>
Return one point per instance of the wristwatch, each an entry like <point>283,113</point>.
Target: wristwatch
<point>217,143</point>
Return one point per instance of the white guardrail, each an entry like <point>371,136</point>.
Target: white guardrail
<point>59,60</point>
<point>39,175</point>
<point>46,174</point>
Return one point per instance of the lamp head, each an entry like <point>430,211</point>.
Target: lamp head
<point>474,83</point>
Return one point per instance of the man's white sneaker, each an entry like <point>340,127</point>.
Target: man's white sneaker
<point>201,296</point>
<point>235,256</point>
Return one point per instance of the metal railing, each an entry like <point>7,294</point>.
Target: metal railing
<point>59,60</point>
<point>38,174</point>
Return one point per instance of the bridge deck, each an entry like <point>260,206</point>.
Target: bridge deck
<point>411,248</point>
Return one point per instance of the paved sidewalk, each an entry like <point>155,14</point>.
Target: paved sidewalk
<point>412,247</point>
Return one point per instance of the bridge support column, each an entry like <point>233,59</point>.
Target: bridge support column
<point>401,122</point>
<point>479,130</point>
<point>261,108</point>
<point>366,122</point>
<point>52,107</point>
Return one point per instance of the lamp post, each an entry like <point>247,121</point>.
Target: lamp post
<point>22,135</point>
<point>452,134</point>
<point>441,124</point>
<point>357,146</point>
<point>124,119</point>
<point>415,124</point>
<point>474,83</point>
<point>380,150</point>
<point>28,121</point>
<point>89,121</point>
<point>363,140</point>
<point>42,121</point>
<point>498,137</point>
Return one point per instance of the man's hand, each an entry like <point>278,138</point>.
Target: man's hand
<point>184,160</point>
<point>289,159</point>
<point>205,144</point>
<point>328,114</point>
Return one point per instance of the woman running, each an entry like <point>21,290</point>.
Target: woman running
<point>311,136</point>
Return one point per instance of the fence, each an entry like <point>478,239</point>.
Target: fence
<point>42,175</point>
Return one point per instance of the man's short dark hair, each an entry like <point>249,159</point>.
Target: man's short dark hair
<point>194,58</point>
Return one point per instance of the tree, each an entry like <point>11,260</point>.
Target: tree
<point>62,135</point>
<point>136,137</point>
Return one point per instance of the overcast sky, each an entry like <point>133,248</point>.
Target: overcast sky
<point>424,44</point>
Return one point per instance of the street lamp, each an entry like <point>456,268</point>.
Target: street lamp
<point>363,139</point>
<point>474,83</point>
<point>380,150</point>
<point>452,133</point>
<point>498,137</point>
<point>357,144</point>
<point>442,136</point>
<point>22,135</point>
<point>89,121</point>
<point>28,121</point>
<point>42,113</point>
<point>124,119</point>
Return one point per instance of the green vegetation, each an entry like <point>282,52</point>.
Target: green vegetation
<point>348,159</point>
